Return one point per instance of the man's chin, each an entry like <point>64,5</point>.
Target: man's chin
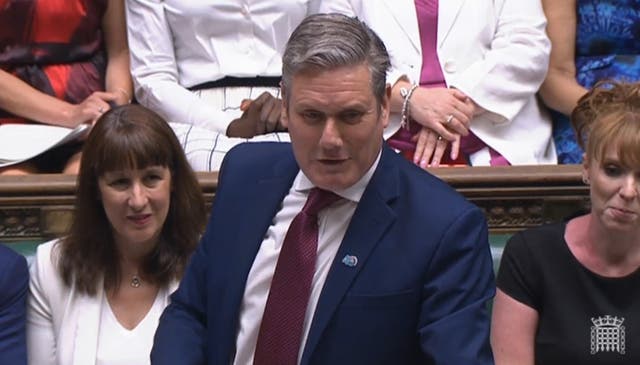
<point>331,181</point>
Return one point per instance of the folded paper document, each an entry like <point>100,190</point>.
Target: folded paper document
<point>20,142</point>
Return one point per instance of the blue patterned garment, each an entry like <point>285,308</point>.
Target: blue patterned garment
<point>607,46</point>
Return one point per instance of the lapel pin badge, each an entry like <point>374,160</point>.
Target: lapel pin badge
<point>350,260</point>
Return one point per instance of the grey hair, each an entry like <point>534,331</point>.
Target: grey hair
<point>329,41</point>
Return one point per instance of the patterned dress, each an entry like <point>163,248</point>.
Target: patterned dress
<point>607,46</point>
<point>56,46</point>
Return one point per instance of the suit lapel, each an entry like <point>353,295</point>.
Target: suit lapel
<point>447,13</point>
<point>372,218</point>
<point>405,16</point>
<point>261,203</point>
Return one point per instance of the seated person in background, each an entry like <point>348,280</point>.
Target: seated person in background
<point>356,277</point>
<point>96,295</point>
<point>592,41</point>
<point>61,63</point>
<point>14,279</point>
<point>213,65</point>
<point>465,75</point>
<point>568,292</point>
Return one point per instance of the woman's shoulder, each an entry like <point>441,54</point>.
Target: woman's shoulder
<point>47,253</point>
<point>527,261</point>
<point>541,240</point>
<point>545,230</point>
<point>44,269</point>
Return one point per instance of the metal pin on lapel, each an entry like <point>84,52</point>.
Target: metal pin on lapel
<point>350,260</point>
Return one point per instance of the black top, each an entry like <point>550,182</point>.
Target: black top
<point>584,318</point>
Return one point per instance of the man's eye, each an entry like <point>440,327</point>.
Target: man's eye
<point>312,116</point>
<point>351,117</point>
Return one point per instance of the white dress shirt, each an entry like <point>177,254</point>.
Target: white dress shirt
<point>177,44</point>
<point>332,226</point>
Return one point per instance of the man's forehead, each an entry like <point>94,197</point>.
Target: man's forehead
<point>361,99</point>
<point>314,71</point>
<point>347,78</point>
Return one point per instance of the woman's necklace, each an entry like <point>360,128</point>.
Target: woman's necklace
<point>135,281</point>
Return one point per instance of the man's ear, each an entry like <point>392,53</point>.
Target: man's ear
<point>386,106</point>
<point>284,113</point>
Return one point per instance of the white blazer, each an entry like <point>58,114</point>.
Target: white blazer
<point>62,324</point>
<point>495,51</point>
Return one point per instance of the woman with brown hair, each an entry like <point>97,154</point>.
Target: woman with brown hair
<point>96,295</point>
<point>567,292</point>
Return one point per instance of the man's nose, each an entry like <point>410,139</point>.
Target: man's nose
<point>331,136</point>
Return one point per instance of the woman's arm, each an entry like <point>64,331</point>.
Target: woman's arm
<point>445,115</point>
<point>118,77</point>
<point>27,102</point>
<point>513,329</point>
<point>560,90</point>
<point>514,61</point>
<point>155,72</point>
<point>431,108</point>
<point>30,103</point>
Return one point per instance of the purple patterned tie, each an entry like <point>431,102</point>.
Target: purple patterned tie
<point>281,329</point>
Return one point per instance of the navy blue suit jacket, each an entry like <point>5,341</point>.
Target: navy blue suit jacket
<point>418,294</point>
<point>14,282</point>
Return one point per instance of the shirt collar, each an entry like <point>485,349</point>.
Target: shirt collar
<point>353,193</point>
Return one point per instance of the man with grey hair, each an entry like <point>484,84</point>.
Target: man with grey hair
<point>333,249</point>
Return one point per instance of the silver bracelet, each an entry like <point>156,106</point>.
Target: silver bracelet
<point>406,95</point>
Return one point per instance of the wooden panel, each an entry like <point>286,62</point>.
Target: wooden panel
<point>41,206</point>
<point>518,197</point>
